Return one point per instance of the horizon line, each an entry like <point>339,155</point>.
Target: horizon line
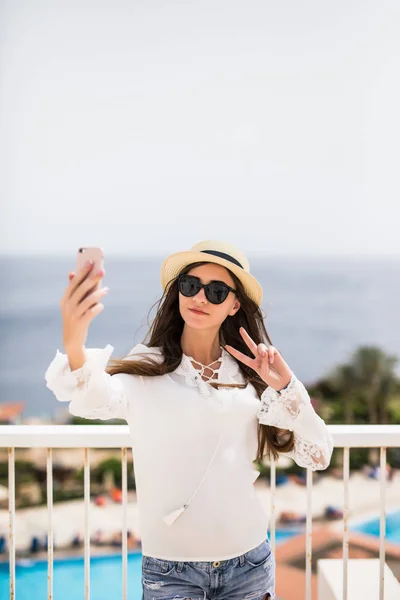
<point>250,255</point>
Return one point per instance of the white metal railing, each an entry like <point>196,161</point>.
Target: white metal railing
<point>117,436</point>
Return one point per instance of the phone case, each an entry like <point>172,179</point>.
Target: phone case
<point>90,253</point>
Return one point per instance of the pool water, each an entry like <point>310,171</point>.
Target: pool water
<point>68,581</point>
<point>392,527</point>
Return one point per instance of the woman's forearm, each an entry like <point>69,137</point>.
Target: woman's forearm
<point>76,357</point>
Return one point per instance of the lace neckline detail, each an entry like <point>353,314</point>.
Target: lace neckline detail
<point>202,371</point>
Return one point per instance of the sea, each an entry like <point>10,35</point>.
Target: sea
<point>318,311</point>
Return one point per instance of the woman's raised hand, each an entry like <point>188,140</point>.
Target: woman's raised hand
<point>80,304</point>
<point>267,362</point>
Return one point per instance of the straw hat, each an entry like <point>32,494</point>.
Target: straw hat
<point>216,252</point>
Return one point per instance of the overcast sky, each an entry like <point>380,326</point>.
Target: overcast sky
<point>146,126</point>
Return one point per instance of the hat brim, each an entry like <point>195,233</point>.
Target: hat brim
<point>174,263</point>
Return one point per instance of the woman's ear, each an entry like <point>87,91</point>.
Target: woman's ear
<point>234,308</point>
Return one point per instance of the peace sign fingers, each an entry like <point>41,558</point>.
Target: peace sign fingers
<point>248,341</point>
<point>267,361</point>
<point>240,356</point>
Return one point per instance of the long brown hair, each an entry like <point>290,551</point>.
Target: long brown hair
<point>165,333</point>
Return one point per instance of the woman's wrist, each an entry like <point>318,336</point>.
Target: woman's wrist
<point>285,385</point>
<point>76,357</point>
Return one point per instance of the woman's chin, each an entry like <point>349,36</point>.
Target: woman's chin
<point>197,321</point>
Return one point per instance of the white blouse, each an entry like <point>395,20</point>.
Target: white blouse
<point>193,447</point>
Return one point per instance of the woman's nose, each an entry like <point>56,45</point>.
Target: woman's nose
<point>201,295</point>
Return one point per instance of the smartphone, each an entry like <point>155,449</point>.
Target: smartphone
<point>90,253</point>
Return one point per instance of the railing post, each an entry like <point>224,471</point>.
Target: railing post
<point>11,512</point>
<point>87,522</point>
<point>50,535</point>
<point>382,531</point>
<point>346,473</point>
<point>309,534</point>
<point>124,525</point>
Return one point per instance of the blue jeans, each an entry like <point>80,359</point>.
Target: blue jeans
<point>250,576</point>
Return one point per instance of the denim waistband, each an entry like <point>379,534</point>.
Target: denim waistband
<point>209,566</point>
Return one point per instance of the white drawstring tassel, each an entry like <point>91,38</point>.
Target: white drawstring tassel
<point>172,517</point>
<point>175,514</point>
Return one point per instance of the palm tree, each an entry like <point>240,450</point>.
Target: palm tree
<point>360,391</point>
<point>364,386</point>
<point>375,380</point>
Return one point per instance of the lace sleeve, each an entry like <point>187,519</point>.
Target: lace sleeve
<point>91,392</point>
<point>291,409</point>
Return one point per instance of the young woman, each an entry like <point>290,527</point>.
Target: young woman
<point>206,396</point>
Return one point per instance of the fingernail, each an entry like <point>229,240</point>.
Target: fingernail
<point>88,262</point>
<point>106,290</point>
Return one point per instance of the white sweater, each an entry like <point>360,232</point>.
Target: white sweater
<point>193,444</point>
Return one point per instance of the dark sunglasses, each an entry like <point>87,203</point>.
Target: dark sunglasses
<point>216,291</point>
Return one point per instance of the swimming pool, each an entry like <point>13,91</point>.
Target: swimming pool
<point>372,526</point>
<point>68,581</point>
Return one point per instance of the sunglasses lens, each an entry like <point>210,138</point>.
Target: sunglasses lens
<point>188,286</point>
<point>216,293</point>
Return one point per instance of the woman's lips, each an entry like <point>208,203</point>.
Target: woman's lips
<point>197,312</point>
